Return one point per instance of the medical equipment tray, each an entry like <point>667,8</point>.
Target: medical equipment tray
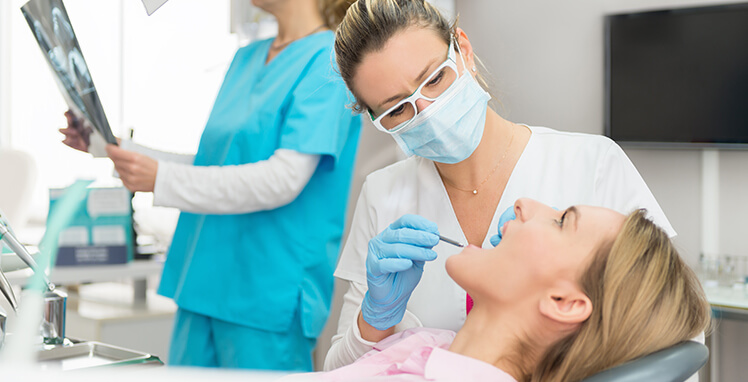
<point>92,354</point>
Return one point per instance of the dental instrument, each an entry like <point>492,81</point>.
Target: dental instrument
<point>7,236</point>
<point>450,241</point>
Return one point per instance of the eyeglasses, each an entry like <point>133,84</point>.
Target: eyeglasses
<point>400,115</point>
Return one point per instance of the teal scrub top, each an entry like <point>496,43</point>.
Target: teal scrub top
<point>257,269</point>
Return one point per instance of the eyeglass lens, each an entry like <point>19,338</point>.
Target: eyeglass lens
<point>432,88</point>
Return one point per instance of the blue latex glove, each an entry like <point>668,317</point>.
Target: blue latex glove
<point>394,266</point>
<point>505,217</point>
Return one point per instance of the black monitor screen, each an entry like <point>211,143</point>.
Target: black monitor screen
<point>678,76</point>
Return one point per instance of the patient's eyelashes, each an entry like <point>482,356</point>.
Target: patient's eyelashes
<point>561,221</point>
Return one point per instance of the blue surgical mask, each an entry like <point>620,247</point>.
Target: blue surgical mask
<point>450,129</point>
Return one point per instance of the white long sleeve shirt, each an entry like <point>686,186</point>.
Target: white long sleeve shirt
<point>252,187</point>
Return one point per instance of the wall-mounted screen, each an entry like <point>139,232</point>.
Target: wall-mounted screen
<point>678,77</point>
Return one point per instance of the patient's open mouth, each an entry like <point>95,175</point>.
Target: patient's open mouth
<point>503,229</point>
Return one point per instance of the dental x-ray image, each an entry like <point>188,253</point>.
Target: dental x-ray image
<point>51,26</point>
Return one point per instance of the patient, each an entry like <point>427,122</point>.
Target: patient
<point>566,294</point>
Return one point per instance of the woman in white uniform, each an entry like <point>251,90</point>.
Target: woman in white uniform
<point>416,76</point>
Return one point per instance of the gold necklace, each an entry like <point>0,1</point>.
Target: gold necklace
<point>474,191</point>
<point>285,44</point>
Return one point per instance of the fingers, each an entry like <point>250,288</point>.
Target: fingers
<point>137,171</point>
<point>415,222</point>
<point>123,159</point>
<point>129,179</point>
<point>410,236</point>
<point>125,162</point>
<point>74,132</point>
<point>382,250</point>
<point>128,161</point>
<point>495,240</point>
<point>116,153</point>
<point>74,139</point>
<point>385,266</point>
<point>393,265</point>
<point>70,132</point>
<point>410,252</point>
<point>412,229</point>
<point>72,119</point>
<point>506,216</point>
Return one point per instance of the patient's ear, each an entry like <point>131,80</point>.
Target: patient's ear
<point>566,306</point>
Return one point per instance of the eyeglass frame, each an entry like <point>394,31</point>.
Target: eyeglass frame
<point>450,61</point>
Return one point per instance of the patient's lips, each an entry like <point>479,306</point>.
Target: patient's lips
<point>473,246</point>
<point>503,229</point>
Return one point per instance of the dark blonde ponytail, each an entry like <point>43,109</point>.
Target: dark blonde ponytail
<point>644,297</point>
<point>333,11</point>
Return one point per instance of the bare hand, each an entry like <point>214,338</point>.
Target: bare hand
<point>137,171</point>
<point>77,133</point>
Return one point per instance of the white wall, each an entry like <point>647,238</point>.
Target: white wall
<point>546,57</point>
<point>5,8</point>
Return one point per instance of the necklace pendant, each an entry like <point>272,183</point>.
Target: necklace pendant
<point>475,192</point>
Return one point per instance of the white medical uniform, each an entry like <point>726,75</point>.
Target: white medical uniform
<point>559,169</point>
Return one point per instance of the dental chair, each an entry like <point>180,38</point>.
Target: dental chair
<point>674,364</point>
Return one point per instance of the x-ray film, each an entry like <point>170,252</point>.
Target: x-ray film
<point>51,27</point>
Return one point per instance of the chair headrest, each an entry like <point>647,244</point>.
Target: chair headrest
<point>674,364</point>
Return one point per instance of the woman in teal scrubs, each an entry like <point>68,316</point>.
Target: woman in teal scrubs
<point>263,200</point>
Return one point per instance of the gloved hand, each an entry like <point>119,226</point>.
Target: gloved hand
<point>394,266</point>
<point>505,217</point>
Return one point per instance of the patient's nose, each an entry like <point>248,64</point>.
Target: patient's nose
<point>522,209</point>
<point>525,209</point>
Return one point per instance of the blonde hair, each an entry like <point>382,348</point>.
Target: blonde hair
<point>369,24</point>
<point>333,11</point>
<point>644,299</point>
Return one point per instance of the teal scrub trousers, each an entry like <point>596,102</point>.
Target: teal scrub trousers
<point>204,341</point>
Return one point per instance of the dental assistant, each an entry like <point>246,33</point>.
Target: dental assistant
<point>263,200</point>
<point>416,77</point>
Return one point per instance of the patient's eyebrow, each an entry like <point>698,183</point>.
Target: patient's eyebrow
<point>575,211</point>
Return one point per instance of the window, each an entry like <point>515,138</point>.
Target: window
<point>158,75</point>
